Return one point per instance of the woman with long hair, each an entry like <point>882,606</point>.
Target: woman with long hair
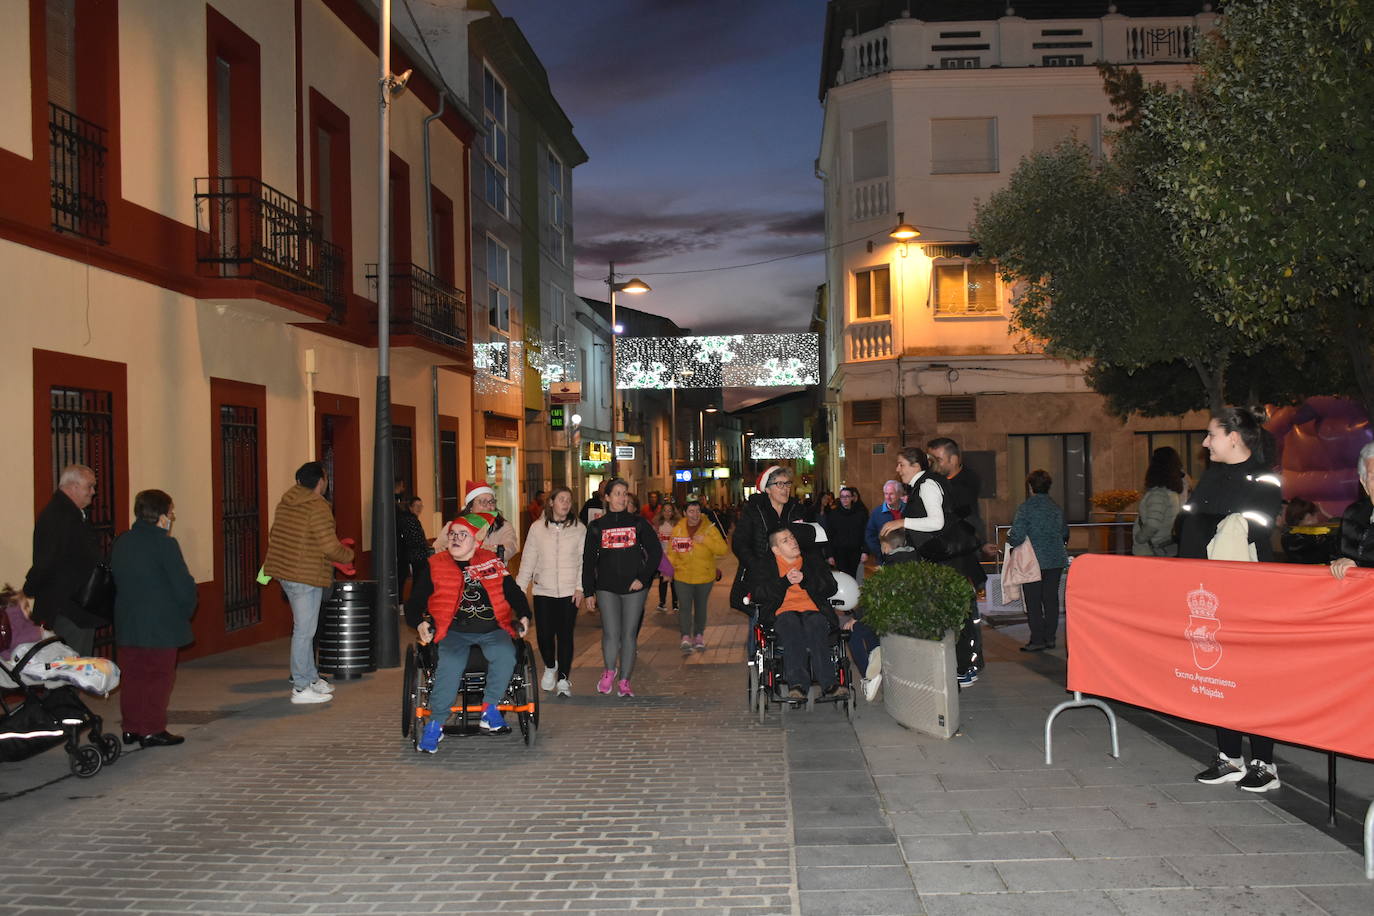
<point>619,559</point>
<point>664,520</point>
<point>1240,480</point>
<point>552,561</point>
<point>694,549</point>
<point>1153,532</point>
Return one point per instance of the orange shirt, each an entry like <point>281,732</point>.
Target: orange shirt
<point>796,598</point>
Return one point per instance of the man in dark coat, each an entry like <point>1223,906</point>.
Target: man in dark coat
<point>1357,524</point>
<point>66,549</point>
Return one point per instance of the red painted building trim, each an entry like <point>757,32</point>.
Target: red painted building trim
<point>51,368</point>
<point>300,106</point>
<point>348,499</point>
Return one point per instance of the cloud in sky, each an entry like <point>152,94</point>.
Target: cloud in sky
<point>701,123</point>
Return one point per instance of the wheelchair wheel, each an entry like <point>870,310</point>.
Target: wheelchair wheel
<point>753,684</point>
<point>528,728</point>
<point>408,693</point>
<point>761,703</point>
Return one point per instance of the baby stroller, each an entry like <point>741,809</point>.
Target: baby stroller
<point>48,711</point>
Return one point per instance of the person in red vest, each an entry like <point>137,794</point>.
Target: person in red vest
<point>474,602</point>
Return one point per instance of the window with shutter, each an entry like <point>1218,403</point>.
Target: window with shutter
<point>865,412</point>
<point>869,148</point>
<point>1048,132</point>
<point>963,145</point>
<point>873,293</point>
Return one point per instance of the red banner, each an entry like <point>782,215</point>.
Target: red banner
<point>1281,650</point>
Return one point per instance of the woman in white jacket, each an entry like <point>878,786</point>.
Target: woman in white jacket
<point>552,560</point>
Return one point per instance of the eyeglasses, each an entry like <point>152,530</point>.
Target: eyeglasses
<point>781,483</point>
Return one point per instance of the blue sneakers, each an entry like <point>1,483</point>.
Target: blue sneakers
<point>968,678</point>
<point>492,721</point>
<point>430,738</point>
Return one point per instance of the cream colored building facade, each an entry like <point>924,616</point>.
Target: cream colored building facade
<point>923,119</point>
<point>192,311</point>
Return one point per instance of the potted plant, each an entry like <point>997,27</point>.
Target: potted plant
<point>1113,503</point>
<point>917,608</point>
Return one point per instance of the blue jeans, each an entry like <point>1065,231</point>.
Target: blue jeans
<point>453,661</point>
<point>862,641</point>
<point>305,603</point>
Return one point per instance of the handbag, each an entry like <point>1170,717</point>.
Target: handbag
<point>98,593</point>
<point>954,540</point>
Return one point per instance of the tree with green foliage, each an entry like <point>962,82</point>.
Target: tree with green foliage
<point>1269,170</point>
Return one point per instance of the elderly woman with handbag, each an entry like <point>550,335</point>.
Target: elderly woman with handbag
<point>1040,520</point>
<point>155,596</point>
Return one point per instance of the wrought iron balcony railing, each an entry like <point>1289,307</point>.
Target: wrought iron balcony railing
<point>251,230</point>
<point>424,305</point>
<point>76,155</point>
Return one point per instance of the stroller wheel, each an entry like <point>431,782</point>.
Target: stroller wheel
<point>109,746</point>
<point>85,760</point>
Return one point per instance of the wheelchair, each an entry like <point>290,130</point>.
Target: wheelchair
<point>521,697</point>
<point>766,683</point>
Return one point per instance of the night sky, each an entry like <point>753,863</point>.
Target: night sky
<point>702,125</point>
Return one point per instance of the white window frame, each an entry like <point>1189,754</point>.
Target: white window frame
<point>558,214</point>
<point>965,311</point>
<point>498,293</point>
<point>496,143</point>
<point>865,276</point>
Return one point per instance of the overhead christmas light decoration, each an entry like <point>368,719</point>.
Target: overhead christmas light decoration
<point>720,361</point>
<point>498,366</point>
<point>554,360</point>
<point>768,449</point>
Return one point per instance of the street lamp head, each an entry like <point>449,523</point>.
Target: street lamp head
<point>711,409</point>
<point>633,285</point>
<point>904,231</point>
<point>619,329</point>
<point>577,419</point>
<point>749,432</point>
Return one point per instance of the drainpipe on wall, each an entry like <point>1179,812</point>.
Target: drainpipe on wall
<point>901,409</point>
<point>429,237</point>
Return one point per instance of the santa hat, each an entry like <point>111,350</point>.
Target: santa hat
<point>474,522</point>
<point>476,489</point>
<point>763,478</point>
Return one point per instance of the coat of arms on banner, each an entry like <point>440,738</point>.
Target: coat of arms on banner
<point>1203,625</point>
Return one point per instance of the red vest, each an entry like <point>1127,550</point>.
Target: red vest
<point>484,568</point>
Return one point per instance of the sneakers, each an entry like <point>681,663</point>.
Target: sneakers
<point>564,687</point>
<point>662,607</point>
<point>492,722</point>
<point>871,685</point>
<point>547,681</point>
<point>699,644</point>
<point>624,688</point>
<point>607,680</point>
<point>1225,769</point>
<point>686,645</point>
<point>430,737</point>
<point>1260,777</point>
<point>322,686</point>
<point>309,695</point>
<point>968,678</point>
<point>874,671</point>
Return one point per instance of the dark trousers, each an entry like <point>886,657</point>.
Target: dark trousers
<point>415,607</point>
<point>663,587</point>
<point>146,679</point>
<point>554,620</point>
<point>803,634</point>
<point>1042,605</point>
<point>968,648</point>
<point>862,641</point>
<point>1261,748</point>
<point>847,560</point>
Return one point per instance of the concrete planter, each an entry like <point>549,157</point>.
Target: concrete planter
<point>919,689</point>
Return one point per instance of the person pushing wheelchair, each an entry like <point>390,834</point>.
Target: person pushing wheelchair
<point>794,596</point>
<point>474,602</point>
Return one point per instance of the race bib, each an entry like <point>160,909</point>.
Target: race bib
<point>682,545</point>
<point>618,538</point>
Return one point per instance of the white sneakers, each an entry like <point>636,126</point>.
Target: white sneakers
<point>564,687</point>
<point>322,686</point>
<point>547,681</point>
<point>873,674</point>
<point>309,695</point>
<point>871,685</point>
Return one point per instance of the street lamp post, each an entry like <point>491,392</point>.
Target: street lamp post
<point>635,286</point>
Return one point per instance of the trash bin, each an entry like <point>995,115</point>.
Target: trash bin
<point>345,632</point>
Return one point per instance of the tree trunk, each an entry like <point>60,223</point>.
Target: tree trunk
<point>1213,379</point>
<point>1358,342</point>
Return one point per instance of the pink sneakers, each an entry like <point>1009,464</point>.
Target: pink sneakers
<point>624,689</point>
<point>699,643</point>
<point>607,679</point>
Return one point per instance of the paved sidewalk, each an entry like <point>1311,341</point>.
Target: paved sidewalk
<point>676,801</point>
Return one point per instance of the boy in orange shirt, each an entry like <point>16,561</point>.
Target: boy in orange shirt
<point>795,597</point>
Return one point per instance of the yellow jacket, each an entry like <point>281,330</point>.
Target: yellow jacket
<point>696,564</point>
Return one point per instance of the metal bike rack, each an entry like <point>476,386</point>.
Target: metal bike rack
<point>1077,702</point>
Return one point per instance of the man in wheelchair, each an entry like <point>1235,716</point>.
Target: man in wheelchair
<point>794,596</point>
<point>474,602</point>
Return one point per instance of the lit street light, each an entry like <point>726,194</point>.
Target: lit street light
<point>635,286</point>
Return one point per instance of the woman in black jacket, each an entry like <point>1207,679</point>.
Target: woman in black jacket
<point>1239,480</point>
<point>619,559</point>
<point>772,507</point>
<point>155,597</point>
<point>844,527</point>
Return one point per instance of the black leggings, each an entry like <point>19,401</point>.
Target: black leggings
<point>554,619</point>
<point>663,586</point>
<point>1261,748</point>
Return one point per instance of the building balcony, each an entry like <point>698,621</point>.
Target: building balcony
<point>868,340</point>
<point>910,44</point>
<point>250,230</point>
<point>76,156</point>
<point>425,306</point>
